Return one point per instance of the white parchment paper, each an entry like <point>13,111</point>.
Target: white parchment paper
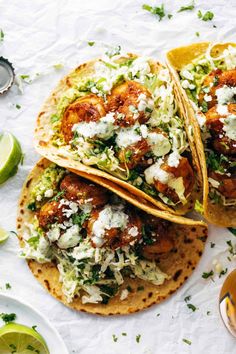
<point>41,33</point>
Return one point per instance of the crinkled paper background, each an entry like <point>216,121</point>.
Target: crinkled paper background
<point>41,33</point>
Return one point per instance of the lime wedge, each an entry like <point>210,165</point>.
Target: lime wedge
<point>10,156</point>
<point>19,339</point>
<point>3,235</point>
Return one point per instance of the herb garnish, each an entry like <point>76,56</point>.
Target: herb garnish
<point>187,8</point>
<point>8,317</point>
<point>187,298</point>
<point>215,161</point>
<point>8,286</point>
<point>138,338</point>
<point>197,34</point>
<point>155,10</point>
<point>113,51</point>
<point>91,43</point>
<point>232,230</point>
<point>31,206</point>
<point>212,244</point>
<point>2,35</point>
<point>208,16</point>
<point>206,275</point>
<point>80,219</point>
<point>114,337</point>
<point>223,272</point>
<point>187,341</point>
<point>192,307</point>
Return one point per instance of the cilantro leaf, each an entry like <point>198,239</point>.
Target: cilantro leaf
<point>192,307</point>
<point>80,219</point>
<point>91,43</point>
<point>138,337</point>
<point>187,341</point>
<point>187,7</point>
<point>8,317</point>
<point>208,16</point>
<point>2,35</point>
<point>155,10</point>
<point>206,275</point>
<point>232,230</point>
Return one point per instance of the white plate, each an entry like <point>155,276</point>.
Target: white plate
<point>28,316</point>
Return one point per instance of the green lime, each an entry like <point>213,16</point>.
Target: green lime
<point>19,339</point>
<point>3,235</point>
<point>10,156</point>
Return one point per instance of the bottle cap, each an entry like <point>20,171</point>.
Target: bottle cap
<point>7,75</point>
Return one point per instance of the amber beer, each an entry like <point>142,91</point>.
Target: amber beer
<point>228,303</point>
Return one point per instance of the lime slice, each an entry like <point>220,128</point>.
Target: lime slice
<point>3,235</point>
<point>10,156</point>
<point>19,339</point>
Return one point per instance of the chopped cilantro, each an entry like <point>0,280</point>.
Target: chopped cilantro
<point>33,241</point>
<point>79,219</point>
<point>208,16</point>
<point>91,43</point>
<point>8,286</point>
<point>18,106</point>
<point>215,161</point>
<point>169,16</point>
<point>158,314</point>
<point>108,292</point>
<point>155,10</point>
<point>223,272</point>
<point>192,307</point>
<point>212,244</point>
<point>187,7</point>
<point>124,334</point>
<point>197,34</point>
<point>187,298</point>
<point>208,313</point>
<point>34,328</point>
<point>31,206</point>
<point>8,317</point>
<point>204,107</point>
<point>216,80</point>
<point>138,338</point>
<point>58,195</point>
<point>114,337</point>
<point>187,341</point>
<point>232,230</point>
<point>24,77</point>
<point>2,35</point>
<point>128,154</point>
<point>206,275</point>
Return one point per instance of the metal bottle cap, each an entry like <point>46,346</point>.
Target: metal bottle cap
<point>7,75</point>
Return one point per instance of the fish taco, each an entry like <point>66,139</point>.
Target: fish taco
<point>205,74</point>
<point>94,251</point>
<point>118,118</point>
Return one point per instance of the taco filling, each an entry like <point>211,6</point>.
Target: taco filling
<point>122,118</point>
<point>95,239</point>
<point>210,83</point>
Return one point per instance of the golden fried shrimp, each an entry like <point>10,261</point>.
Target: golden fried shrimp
<point>86,109</point>
<point>162,244</point>
<point>227,184</point>
<point>221,143</point>
<point>76,189</point>
<point>131,103</point>
<point>161,241</point>
<point>115,237</point>
<point>215,80</point>
<point>133,154</point>
<point>50,213</point>
<point>183,170</point>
